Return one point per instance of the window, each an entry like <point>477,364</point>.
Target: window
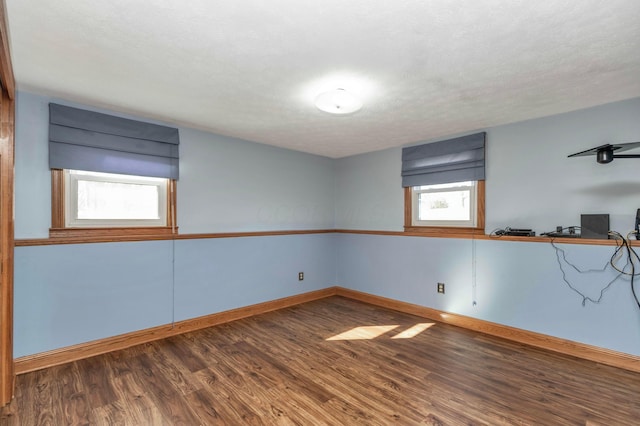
<point>105,200</point>
<point>110,200</point>
<point>90,204</point>
<point>444,186</point>
<point>452,205</point>
<point>449,204</point>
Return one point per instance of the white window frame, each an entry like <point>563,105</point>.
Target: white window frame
<point>473,205</point>
<point>71,201</point>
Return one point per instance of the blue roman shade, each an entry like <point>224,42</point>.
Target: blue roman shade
<point>91,141</point>
<point>453,160</point>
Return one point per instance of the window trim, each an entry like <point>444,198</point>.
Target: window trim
<point>443,231</point>
<point>88,234</point>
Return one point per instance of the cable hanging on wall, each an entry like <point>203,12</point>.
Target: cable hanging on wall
<point>623,246</point>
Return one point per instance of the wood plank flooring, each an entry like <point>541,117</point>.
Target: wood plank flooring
<point>279,368</point>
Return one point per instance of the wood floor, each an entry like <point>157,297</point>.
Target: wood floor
<point>321,363</point>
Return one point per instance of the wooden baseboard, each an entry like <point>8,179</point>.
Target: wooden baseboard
<point>555,344</point>
<point>85,350</point>
<point>59,356</point>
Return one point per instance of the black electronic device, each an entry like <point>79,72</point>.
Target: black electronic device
<point>554,234</point>
<point>606,153</point>
<point>521,232</point>
<point>638,224</point>
<point>514,232</point>
<point>560,233</point>
<point>595,226</point>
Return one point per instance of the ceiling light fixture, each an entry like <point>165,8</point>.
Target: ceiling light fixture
<point>338,101</point>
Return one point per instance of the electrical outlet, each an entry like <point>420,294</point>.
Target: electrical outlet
<point>300,276</point>
<point>441,288</point>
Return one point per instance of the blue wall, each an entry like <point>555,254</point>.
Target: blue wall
<point>225,185</point>
<point>214,275</point>
<point>530,181</point>
<point>530,184</point>
<point>69,294</point>
<point>517,284</point>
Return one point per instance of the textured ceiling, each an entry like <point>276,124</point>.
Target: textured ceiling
<point>251,69</point>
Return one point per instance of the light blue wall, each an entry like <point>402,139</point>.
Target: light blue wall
<point>226,184</point>
<point>521,285</point>
<point>32,174</point>
<point>214,275</point>
<point>229,185</point>
<point>513,283</point>
<point>369,192</point>
<point>69,294</point>
<point>530,183</point>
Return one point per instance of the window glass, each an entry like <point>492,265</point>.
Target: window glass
<point>103,199</point>
<point>451,204</point>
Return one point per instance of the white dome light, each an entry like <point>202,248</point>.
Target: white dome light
<point>338,101</point>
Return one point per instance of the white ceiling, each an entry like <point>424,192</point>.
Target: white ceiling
<point>251,69</point>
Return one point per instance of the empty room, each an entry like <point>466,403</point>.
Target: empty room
<point>319,213</point>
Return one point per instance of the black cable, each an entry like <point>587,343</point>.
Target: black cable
<point>631,251</point>
<point>626,244</point>
<point>622,245</point>
<point>633,289</point>
<point>585,298</point>
<point>564,257</point>
<point>619,247</point>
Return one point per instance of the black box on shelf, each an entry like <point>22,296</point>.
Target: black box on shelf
<point>594,226</point>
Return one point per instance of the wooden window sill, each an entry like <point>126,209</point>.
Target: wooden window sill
<point>442,231</point>
<point>59,234</point>
<point>101,235</point>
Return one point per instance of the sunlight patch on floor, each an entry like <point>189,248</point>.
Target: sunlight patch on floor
<point>368,332</point>
<point>364,332</point>
<point>414,331</point>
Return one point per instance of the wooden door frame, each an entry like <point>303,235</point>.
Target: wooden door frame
<point>7,132</point>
